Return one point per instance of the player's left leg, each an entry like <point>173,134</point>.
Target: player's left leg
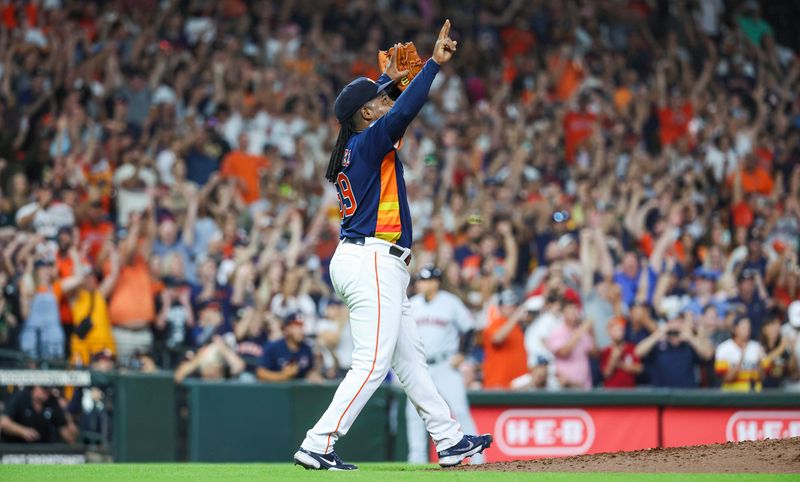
<point>373,286</point>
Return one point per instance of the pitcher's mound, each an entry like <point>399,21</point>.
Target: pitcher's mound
<point>770,456</point>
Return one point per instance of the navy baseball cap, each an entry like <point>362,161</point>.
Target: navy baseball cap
<point>356,94</point>
<point>293,317</point>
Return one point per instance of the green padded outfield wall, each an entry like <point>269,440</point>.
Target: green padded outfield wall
<point>145,423</point>
<point>237,422</point>
<point>369,437</point>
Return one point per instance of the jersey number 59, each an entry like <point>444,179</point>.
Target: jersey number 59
<point>347,201</point>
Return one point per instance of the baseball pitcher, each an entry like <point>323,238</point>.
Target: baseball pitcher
<point>369,269</point>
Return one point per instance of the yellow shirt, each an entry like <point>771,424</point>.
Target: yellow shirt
<point>99,338</point>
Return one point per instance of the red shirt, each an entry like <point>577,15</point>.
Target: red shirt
<point>674,123</point>
<point>743,215</point>
<point>569,293</point>
<point>577,127</point>
<point>96,235</point>
<point>516,42</point>
<point>619,378</point>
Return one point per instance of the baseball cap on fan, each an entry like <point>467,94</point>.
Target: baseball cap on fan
<point>508,297</point>
<point>356,94</point>
<point>292,318</point>
<point>534,304</point>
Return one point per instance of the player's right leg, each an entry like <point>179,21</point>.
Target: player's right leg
<point>371,286</point>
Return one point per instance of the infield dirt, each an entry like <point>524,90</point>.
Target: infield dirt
<point>767,456</point>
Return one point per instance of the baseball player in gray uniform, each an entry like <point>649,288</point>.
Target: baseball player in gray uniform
<point>446,328</point>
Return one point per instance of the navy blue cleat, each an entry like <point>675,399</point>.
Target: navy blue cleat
<point>314,461</point>
<point>467,447</point>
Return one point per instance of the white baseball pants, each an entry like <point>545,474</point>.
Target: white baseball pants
<point>373,285</point>
<point>450,383</point>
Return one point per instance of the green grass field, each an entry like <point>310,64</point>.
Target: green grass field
<point>371,472</point>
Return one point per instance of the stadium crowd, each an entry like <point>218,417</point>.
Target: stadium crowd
<point>612,187</point>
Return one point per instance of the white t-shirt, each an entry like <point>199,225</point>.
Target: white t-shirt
<point>535,336</point>
<point>164,162</point>
<point>721,163</point>
<point>302,303</point>
<point>730,352</point>
<point>440,322</point>
<point>707,16</point>
<point>48,221</point>
<point>132,200</point>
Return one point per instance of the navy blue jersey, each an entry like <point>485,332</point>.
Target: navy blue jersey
<point>371,189</point>
<point>278,354</point>
<point>673,366</point>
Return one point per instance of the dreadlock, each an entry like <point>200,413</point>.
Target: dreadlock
<point>346,131</point>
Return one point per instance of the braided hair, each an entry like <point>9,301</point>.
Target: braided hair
<point>346,131</point>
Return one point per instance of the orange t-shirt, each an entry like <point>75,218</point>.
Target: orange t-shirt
<point>245,167</point>
<point>622,97</point>
<point>507,361</point>
<point>65,269</point>
<point>570,78</point>
<point>132,299</point>
<point>647,243</point>
<point>430,243</point>
<point>758,181</point>
<point>674,123</point>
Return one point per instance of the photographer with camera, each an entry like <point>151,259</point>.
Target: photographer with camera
<point>672,351</point>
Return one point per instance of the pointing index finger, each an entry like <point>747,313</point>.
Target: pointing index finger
<point>445,31</point>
